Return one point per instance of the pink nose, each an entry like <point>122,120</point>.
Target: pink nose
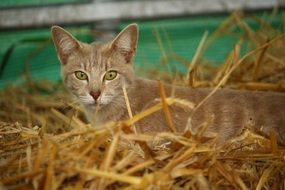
<point>95,94</point>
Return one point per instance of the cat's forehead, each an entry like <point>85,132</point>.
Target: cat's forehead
<point>95,49</point>
<point>95,56</point>
<point>99,47</point>
<point>103,54</point>
<point>95,52</point>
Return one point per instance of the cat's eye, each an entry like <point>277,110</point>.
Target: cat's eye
<point>110,75</point>
<point>81,75</point>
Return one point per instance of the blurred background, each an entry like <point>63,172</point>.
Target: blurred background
<point>170,31</point>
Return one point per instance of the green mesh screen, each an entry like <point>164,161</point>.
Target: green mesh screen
<point>180,37</point>
<point>31,53</point>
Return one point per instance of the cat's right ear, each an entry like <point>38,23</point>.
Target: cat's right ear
<point>126,42</point>
<point>64,42</point>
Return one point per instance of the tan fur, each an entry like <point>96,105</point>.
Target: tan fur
<point>226,113</point>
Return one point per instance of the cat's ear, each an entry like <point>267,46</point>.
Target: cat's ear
<point>64,42</point>
<point>126,42</point>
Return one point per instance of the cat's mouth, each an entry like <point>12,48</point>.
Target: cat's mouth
<point>92,103</point>
<point>95,105</point>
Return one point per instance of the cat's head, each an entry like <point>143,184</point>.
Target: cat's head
<point>96,73</point>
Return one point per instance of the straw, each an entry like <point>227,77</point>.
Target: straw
<point>46,142</point>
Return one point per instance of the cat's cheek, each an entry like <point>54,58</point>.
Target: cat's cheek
<point>77,87</point>
<point>86,99</point>
<point>108,82</point>
<point>107,100</point>
<point>104,101</point>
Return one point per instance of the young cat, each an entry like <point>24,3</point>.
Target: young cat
<point>97,73</point>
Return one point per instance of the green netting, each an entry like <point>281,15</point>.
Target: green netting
<point>182,36</point>
<point>31,51</point>
<point>32,54</point>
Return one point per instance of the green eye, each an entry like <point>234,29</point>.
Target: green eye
<point>110,75</point>
<point>81,75</point>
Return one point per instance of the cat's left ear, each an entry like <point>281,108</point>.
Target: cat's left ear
<point>126,42</point>
<point>64,42</point>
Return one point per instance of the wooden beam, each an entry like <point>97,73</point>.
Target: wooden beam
<point>102,11</point>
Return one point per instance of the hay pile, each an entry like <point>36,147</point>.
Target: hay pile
<point>45,143</point>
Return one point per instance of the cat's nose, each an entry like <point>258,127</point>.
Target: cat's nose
<point>95,94</point>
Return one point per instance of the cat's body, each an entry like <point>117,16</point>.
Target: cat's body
<point>96,75</point>
<point>226,112</point>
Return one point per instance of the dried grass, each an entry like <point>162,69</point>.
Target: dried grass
<point>46,143</point>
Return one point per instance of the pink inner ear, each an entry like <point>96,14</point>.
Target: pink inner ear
<point>65,44</point>
<point>129,55</point>
<point>126,53</point>
<point>63,58</point>
<point>125,43</point>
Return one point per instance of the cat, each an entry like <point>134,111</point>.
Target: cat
<point>97,73</point>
